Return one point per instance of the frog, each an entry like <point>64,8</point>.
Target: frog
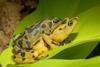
<point>39,38</point>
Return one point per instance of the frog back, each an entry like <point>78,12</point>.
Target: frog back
<point>33,32</point>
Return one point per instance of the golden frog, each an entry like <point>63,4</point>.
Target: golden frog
<point>40,38</point>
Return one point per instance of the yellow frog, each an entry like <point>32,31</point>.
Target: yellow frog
<point>37,39</point>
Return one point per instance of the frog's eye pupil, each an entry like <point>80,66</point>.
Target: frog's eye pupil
<point>70,23</point>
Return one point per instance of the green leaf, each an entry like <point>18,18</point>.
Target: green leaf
<point>88,27</point>
<point>5,57</point>
<point>93,62</point>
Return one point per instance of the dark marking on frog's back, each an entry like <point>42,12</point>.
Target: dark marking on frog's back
<point>50,24</point>
<point>29,30</point>
<point>56,21</point>
<point>20,43</point>
<point>37,25</point>
<point>28,43</point>
<point>23,59</point>
<point>32,51</point>
<point>42,31</point>
<point>25,37</point>
<point>19,50</point>
<point>28,49</point>
<point>23,54</point>
<point>43,25</point>
<point>33,56</point>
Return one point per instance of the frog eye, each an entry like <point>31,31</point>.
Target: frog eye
<point>70,23</point>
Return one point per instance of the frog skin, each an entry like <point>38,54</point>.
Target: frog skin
<point>41,38</point>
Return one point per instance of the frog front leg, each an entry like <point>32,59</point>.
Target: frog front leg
<point>51,43</point>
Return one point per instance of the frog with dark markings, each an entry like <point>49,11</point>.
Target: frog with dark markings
<point>30,45</point>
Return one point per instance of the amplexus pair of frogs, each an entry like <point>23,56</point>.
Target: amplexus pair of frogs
<point>40,38</point>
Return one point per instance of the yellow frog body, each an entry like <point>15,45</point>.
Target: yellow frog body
<point>40,38</point>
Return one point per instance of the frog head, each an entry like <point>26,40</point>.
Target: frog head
<point>71,23</point>
<point>64,29</point>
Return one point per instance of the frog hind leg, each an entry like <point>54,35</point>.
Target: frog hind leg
<point>40,48</point>
<point>49,43</point>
